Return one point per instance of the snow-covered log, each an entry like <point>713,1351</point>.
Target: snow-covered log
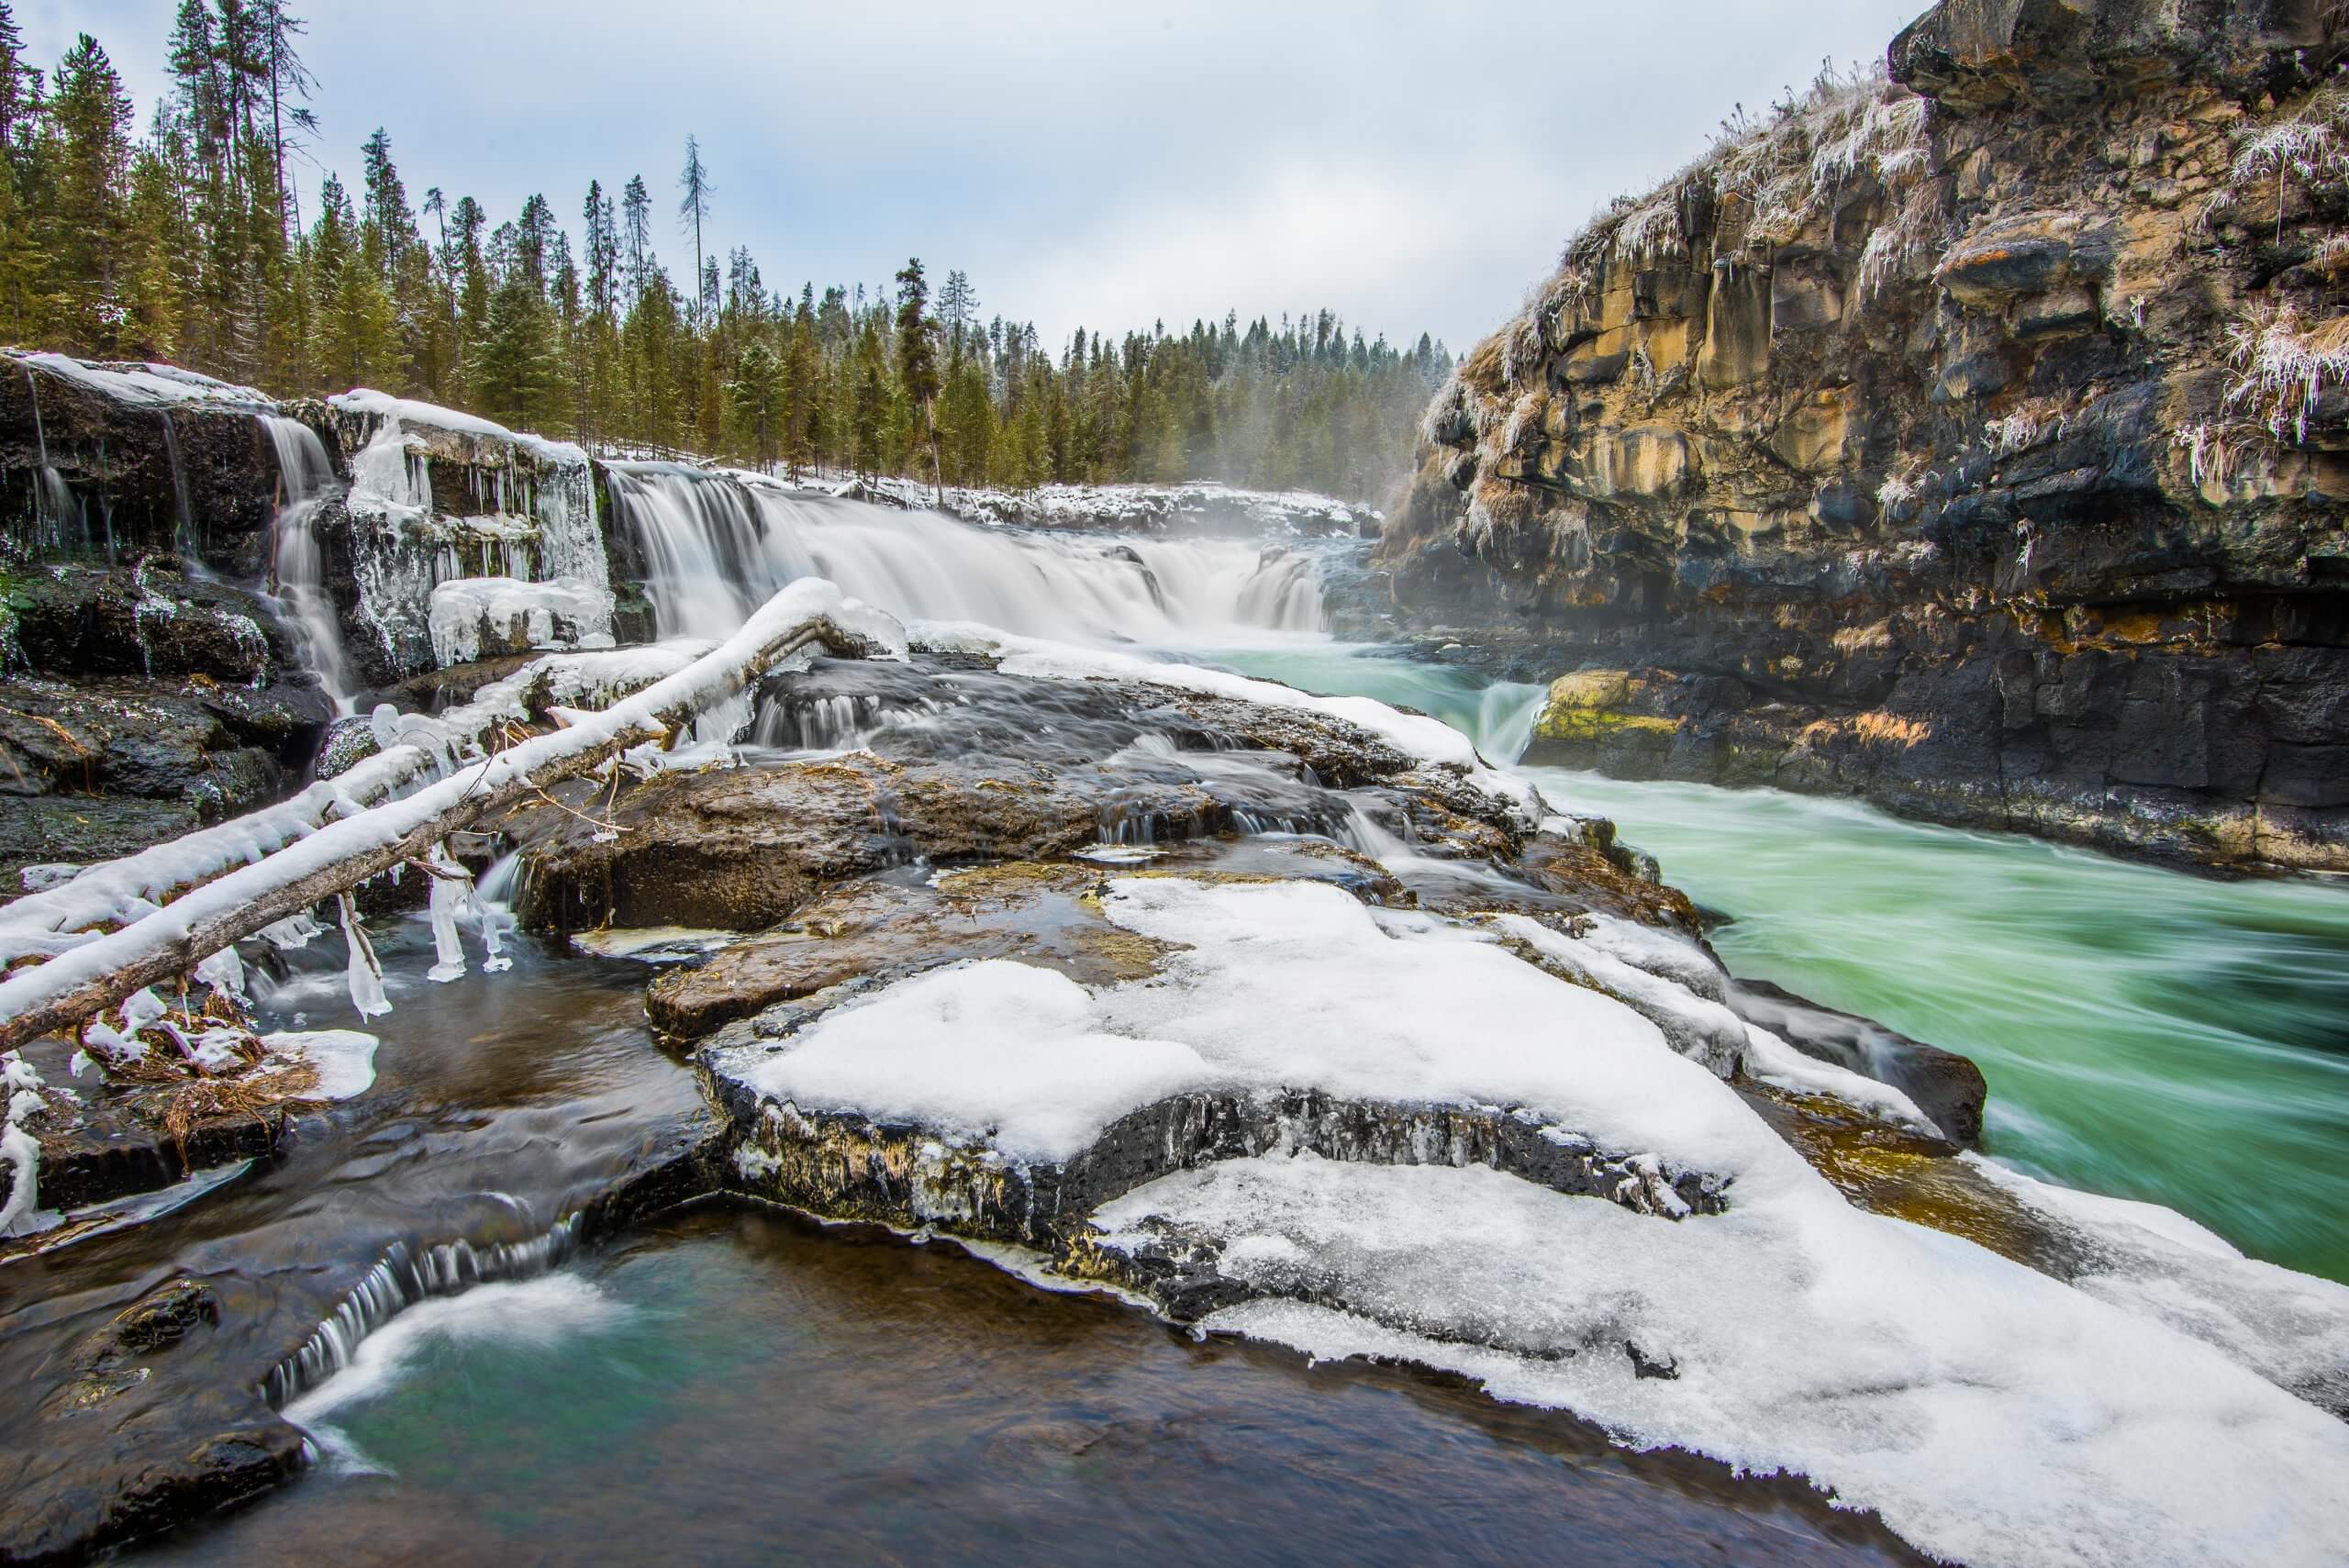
<point>120,891</point>
<point>80,981</point>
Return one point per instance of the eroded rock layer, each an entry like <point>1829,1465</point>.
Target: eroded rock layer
<point>1969,437</point>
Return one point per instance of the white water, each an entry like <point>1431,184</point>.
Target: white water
<point>715,547</point>
<point>301,577</point>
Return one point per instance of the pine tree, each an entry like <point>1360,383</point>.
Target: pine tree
<point>917,354</point>
<point>85,238</point>
<point>693,211</point>
<point>759,400</point>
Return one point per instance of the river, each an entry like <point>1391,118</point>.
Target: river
<point>2146,1032</point>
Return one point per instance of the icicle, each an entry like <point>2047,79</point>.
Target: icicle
<point>293,931</point>
<point>449,894</point>
<point>21,1214</point>
<point>366,972</point>
<point>224,973</point>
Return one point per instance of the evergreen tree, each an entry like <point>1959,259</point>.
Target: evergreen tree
<point>918,353</point>
<point>693,211</point>
<point>87,230</point>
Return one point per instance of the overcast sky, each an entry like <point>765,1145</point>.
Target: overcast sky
<point>1100,163</point>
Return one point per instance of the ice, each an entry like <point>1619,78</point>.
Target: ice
<point>345,1058</point>
<point>366,973</point>
<point>1416,735</point>
<point>22,1213</point>
<point>446,901</point>
<point>532,615</point>
<point>1990,1414</point>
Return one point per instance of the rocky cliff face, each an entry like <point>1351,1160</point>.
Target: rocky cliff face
<point>1973,436</point>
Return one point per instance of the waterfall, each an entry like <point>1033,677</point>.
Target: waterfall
<point>53,501</point>
<point>184,540</point>
<point>301,573</point>
<point>402,1277</point>
<point>714,546</point>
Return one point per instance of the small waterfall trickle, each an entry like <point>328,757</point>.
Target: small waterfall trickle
<point>714,546</point>
<point>53,501</point>
<point>400,1279</point>
<point>183,540</point>
<point>300,570</point>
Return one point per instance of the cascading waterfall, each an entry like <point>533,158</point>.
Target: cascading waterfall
<point>400,1279</point>
<point>301,573</point>
<point>714,546</point>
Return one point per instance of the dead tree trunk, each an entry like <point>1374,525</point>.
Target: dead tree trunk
<point>81,981</point>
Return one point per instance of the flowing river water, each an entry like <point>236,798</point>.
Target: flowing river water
<point>2146,1033</point>
<point>725,1386</point>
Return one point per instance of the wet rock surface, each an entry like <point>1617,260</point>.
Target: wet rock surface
<point>1937,442</point>
<point>136,703</point>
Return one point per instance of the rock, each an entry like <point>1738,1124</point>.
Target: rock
<point>1975,393</point>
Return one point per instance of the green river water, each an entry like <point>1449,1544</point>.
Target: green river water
<point>2146,1033</point>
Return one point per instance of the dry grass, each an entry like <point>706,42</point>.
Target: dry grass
<point>210,1099</point>
<point>2282,364</point>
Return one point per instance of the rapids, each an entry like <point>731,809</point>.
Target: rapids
<point>2146,1033</point>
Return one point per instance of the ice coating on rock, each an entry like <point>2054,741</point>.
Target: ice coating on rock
<point>1989,1414</point>
<point>1417,735</point>
<point>511,615</point>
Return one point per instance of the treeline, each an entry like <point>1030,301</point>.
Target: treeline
<point>188,244</point>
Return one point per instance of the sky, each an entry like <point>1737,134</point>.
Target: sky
<point>1104,165</point>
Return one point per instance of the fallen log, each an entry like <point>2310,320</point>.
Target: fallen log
<point>118,892</point>
<point>77,983</point>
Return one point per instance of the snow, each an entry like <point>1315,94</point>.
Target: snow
<point>533,615</point>
<point>147,385</point>
<point>1290,985</point>
<point>712,678</point>
<point>993,1050</point>
<point>1990,1414</point>
<point>1772,1060</point>
<point>1416,735</point>
<point>1700,1029</point>
<point>2292,1329</point>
